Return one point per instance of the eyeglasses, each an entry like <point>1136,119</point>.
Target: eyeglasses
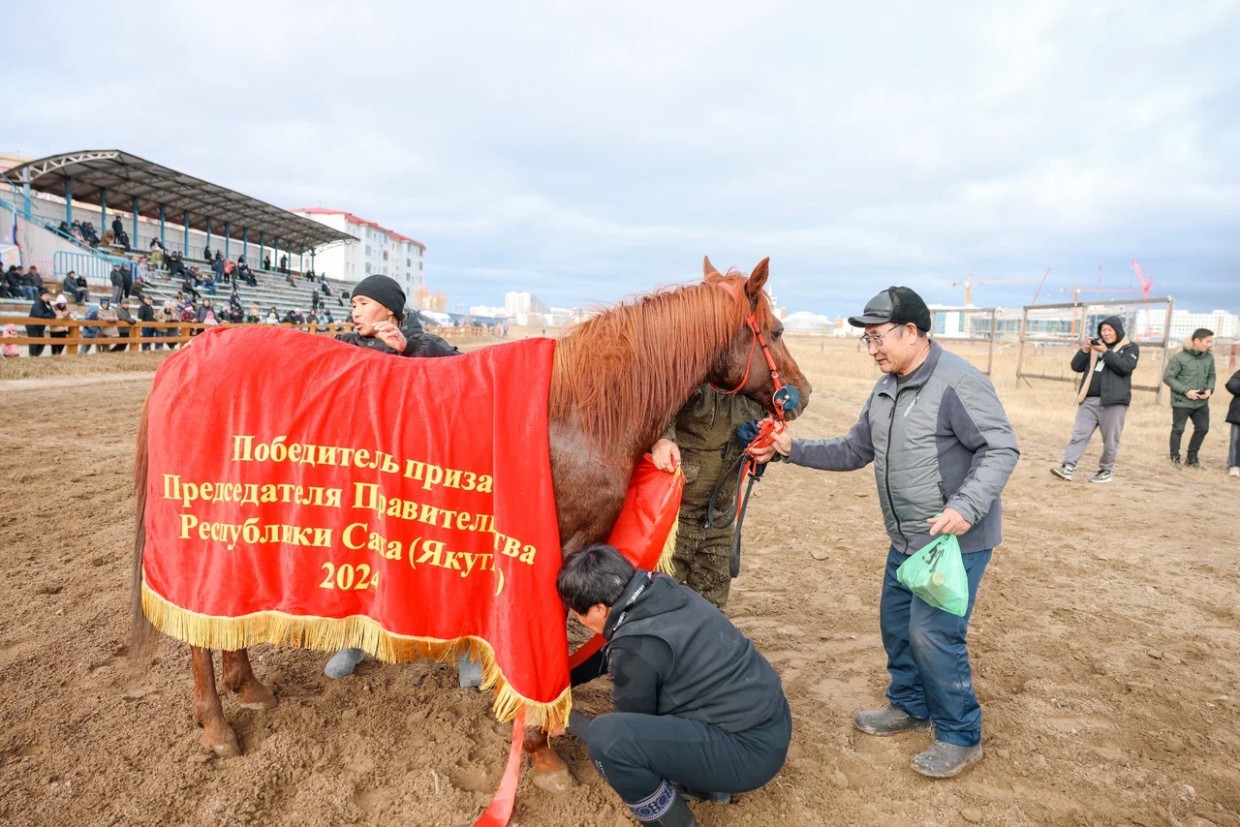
<point>877,341</point>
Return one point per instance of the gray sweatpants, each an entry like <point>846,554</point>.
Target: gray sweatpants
<point>1091,416</point>
<point>1233,450</point>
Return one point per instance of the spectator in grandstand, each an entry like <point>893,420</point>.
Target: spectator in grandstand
<point>1106,364</point>
<point>35,279</point>
<point>15,281</point>
<point>117,227</point>
<point>234,298</point>
<point>235,314</point>
<point>124,318</point>
<point>246,274</point>
<point>207,255</point>
<point>267,263</point>
<point>206,314</point>
<point>107,313</point>
<point>188,289</point>
<point>293,317</point>
<point>310,276</point>
<point>327,288</point>
<point>89,332</point>
<point>118,284</point>
<point>1190,375</point>
<point>89,234</point>
<point>146,313</point>
<point>40,308</point>
<point>122,238</point>
<point>327,317</point>
<point>64,229</point>
<point>10,351</point>
<point>75,230</point>
<point>107,238</point>
<point>127,281</point>
<point>254,316</point>
<point>217,266</point>
<point>292,282</point>
<point>60,331</point>
<point>284,264</point>
<point>229,272</point>
<point>314,300</point>
<point>76,293</point>
<point>273,317</point>
<point>176,264</point>
<point>378,309</point>
<point>205,282</point>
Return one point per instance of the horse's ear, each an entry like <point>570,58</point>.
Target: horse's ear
<point>757,279</point>
<point>707,267</point>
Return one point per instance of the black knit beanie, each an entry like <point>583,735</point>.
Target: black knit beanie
<point>384,290</point>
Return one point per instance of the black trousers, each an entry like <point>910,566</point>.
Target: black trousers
<point>637,754</point>
<point>1201,427</point>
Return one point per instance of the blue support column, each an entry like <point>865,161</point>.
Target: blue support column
<point>262,247</point>
<point>316,272</point>
<point>185,243</point>
<point>103,211</point>
<point>133,239</point>
<point>208,231</point>
<point>163,224</point>
<point>245,244</point>
<point>275,256</point>
<point>227,237</point>
<point>69,201</point>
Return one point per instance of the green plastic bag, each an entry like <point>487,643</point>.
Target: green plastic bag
<point>936,574</point>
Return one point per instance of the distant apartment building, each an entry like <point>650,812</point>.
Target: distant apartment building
<point>525,308</point>
<point>1224,324</point>
<point>379,250</point>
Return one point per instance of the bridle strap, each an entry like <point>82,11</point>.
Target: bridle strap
<point>751,319</point>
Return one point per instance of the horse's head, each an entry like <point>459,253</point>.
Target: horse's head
<point>743,367</point>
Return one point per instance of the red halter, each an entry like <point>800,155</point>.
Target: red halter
<point>758,339</point>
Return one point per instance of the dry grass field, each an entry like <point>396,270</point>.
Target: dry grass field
<point>1105,645</point>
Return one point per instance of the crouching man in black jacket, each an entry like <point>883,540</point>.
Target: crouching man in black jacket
<point>697,707</point>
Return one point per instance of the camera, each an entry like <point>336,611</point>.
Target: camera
<point>1095,341</point>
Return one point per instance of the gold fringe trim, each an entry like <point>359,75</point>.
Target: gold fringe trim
<point>333,634</point>
<point>665,564</point>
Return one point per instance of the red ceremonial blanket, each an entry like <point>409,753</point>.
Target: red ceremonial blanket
<point>308,492</point>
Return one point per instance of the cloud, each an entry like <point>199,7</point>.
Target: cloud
<point>588,151</point>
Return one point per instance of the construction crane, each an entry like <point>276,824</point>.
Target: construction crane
<point>969,283</point>
<point>1147,284</point>
<point>1077,290</point>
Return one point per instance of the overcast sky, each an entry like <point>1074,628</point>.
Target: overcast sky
<point>591,151</point>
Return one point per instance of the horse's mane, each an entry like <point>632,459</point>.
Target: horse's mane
<point>638,360</point>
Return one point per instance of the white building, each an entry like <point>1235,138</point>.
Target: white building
<point>524,308</point>
<point>1183,322</point>
<point>379,250</point>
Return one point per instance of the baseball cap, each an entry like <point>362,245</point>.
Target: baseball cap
<point>897,305</point>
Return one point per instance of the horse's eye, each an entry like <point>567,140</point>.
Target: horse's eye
<point>777,333</point>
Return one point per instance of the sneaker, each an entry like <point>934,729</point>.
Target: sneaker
<point>1175,463</point>
<point>943,760</point>
<point>1064,472</point>
<point>1101,476</point>
<point>1233,471</point>
<point>888,721</point>
<point>1194,463</point>
<point>343,663</point>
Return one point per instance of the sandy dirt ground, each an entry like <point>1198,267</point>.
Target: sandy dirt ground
<point>1105,645</point>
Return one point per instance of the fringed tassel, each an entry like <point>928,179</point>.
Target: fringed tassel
<point>669,548</point>
<point>332,634</point>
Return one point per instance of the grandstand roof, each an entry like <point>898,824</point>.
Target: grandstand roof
<point>126,177</point>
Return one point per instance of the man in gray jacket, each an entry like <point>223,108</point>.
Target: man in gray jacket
<point>942,450</point>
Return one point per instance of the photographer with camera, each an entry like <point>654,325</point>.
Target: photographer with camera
<point>1107,363</point>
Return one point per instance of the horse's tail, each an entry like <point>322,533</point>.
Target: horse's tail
<point>141,631</point>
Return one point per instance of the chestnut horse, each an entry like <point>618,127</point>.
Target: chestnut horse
<point>617,381</point>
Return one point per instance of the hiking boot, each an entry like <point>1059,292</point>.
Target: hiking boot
<point>1175,461</point>
<point>1101,476</point>
<point>889,721</point>
<point>678,815</point>
<point>468,672</point>
<point>1064,472</point>
<point>1234,471</point>
<point>698,795</point>
<point>943,760</point>
<point>343,663</point>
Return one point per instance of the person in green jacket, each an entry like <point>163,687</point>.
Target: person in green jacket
<point>702,440</point>
<point>1190,375</point>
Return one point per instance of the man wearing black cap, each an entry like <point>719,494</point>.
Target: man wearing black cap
<point>942,450</point>
<point>378,310</point>
<point>40,308</point>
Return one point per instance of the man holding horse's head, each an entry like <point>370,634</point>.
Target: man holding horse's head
<point>942,450</point>
<point>697,707</point>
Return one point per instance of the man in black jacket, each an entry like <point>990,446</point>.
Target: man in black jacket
<point>40,309</point>
<point>697,707</point>
<point>1107,363</point>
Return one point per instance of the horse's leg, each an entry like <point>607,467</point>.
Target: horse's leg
<point>550,771</point>
<point>217,735</point>
<point>239,678</point>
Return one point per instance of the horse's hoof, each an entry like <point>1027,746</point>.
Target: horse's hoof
<point>256,697</point>
<point>554,781</point>
<point>223,747</point>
